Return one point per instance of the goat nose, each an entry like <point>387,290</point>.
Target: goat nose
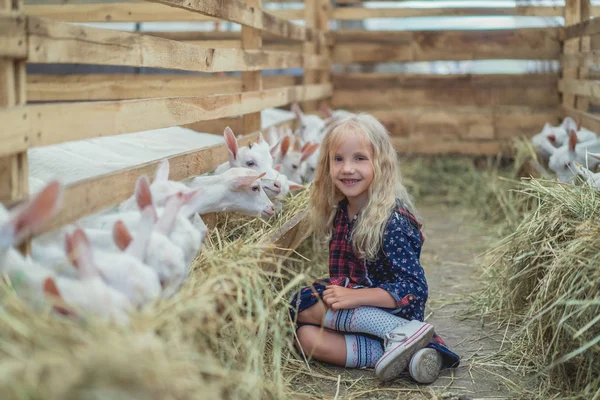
<point>276,184</point>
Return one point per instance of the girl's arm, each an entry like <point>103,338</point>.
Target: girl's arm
<point>339,297</point>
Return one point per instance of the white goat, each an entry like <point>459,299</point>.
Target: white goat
<point>561,160</point>
<point>311,127</point>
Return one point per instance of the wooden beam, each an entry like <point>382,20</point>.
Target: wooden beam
<point>40,125</point>
<point>464,122</point>
<point>128,86</point>
<point>579,87</point>
<point>584,28</point>
<point>237,11</point>
<point>572,17</point>
<point>13,36</point>
<point>465,95</point>
<point>358,13</point>
<point>358,81</point>
<point>587,120</point>
<point>61,42</point>
<point>575,60</point>
<point>251,81</point>
<point>310,47</point>
<point>14,173</point>
<point>217,126</point>
<point>450,147</point>
<point>583,103</point>
<point>129,12</point>
<point>377,46</point>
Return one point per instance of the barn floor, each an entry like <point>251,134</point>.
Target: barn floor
<point>454,240</point>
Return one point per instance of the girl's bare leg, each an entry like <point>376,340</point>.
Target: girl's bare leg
<point>313,315</point>
<point>323,344</point>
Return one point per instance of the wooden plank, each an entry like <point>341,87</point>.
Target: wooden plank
<point>580,88</point>
<point>126,86</point>
<point>13,37</point>
<point>358,81</point>
<point>572,16</point>
<point>375,46</point>
<point>588,120</point>
<point>251,81</point>
<point>237,11</point>
<point>450,147</point>
<point>465,123</point>
<point>584,28</point>
<point>574,60</point>
<point>358,13</point>
<point>61,42</point>
<point>583,103</point>
<point>14,183</point>
<point>459,95</point>
<point>129,12</point>
<point>40,125</point>
<point>217,126</point>
<point>310,47</point>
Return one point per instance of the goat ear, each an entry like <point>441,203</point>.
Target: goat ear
<point>28,217</point>
<point>572,140</point>
<point>595,155</point>
<point>578,126</point>
<point>232,144</point>
<point>295,186</point>
<point>285,145</point>
<point>139,244</point>
<point>277,167</point>
<point>83,255</point>
<point>143,195</point>
<point>309,151</point>
<point>551,137</point>
<point>69,250</point>
<point>167,219</point>
<point>121,235</point>
<point>162,171</point>
<point>50,288</point>
<point>242,182</point>
<point>273,149</point>
<point>261,138</point>
<point>298,111</point>
<point>326,111</point>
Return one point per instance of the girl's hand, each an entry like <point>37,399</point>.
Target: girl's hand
<point>341,298</point>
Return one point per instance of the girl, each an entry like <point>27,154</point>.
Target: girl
<point>376,288</point>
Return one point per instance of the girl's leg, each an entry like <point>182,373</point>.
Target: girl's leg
<point>313,315</point>
<point>354,351</point>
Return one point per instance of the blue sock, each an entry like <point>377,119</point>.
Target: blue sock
<point>362,351</point>
<point>371,320</point>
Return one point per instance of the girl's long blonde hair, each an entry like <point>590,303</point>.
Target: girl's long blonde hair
<point>386,187</point>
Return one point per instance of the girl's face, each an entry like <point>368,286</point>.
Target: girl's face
<point>351,167</point>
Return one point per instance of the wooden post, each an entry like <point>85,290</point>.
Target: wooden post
<point>324,12</point>
<point>13,168</point>
<point>582,103</point>
<point>310,47</point>
<point>573,16</point>
<point>251,81</point>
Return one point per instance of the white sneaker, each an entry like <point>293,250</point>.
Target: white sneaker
<point>425,365</point>
<point>400,345</point>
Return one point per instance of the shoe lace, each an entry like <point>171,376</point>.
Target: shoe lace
<point>393,337</point>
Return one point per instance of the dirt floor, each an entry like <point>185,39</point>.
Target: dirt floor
<point>454,239</point>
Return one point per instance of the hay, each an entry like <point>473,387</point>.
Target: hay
<point>545,276</point>
<point>225,334</point>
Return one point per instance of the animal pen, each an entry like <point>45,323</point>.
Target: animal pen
<point>208,80</point>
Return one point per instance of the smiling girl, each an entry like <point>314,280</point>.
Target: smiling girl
<point>370,311</point>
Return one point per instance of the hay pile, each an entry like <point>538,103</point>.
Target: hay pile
<point>226,334</point>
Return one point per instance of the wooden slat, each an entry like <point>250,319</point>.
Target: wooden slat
<point>572,16</point>
<point>237,11</point>
<point>583,103</point>
<point>357,81</point>
<point>374,46</point>
<point>13,37</point>
<point>588,59</point>
<point>122,86</point>
<point>129,12</point>
<point>357,13</point>
<point>584,28</point>
<point>217,126</point>
<point>450,147</point>
<point>464,123</point>
<point>60,42</point>
<point>251,81</point>
<point>39,125</point>
<point>465,95</point>
<point>580,88</point>
<point>588,120</point>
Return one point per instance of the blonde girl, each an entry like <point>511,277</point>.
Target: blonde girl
<point>370,311</point>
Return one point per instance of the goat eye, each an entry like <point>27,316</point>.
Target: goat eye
<point>294,166</point>
<point>255,188</point>
<point>250,163</point>
<point>312,169</point>
<point>250,145</point>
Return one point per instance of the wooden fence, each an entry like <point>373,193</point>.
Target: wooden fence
<point>426,113</point>
<point>89,106</point>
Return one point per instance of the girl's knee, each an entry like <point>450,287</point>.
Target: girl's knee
<point>308,338</point>
<point>312,315</point>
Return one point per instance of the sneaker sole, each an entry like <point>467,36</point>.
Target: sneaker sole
<point>406,349</point>
<point>422,375</point>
